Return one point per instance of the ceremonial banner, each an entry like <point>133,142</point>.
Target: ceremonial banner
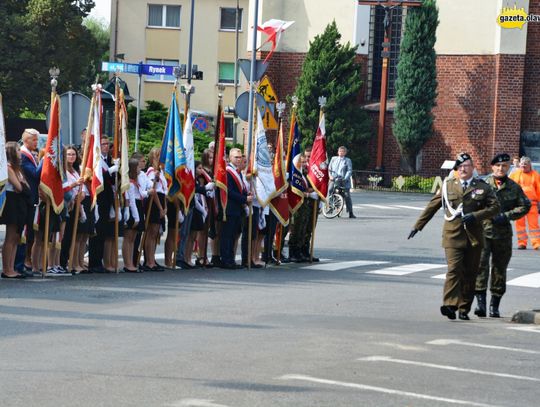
<point>318,163</point>
<point>172,156</point>
<point>93,166</point>
<point>297,183</point>
<point>220,165</point>
<point>52,173</point>
<point>280,204</point>
<point>187,175</point>
<point>3,158</point>
<point>265,187</point>
<point>273,29</point>
<point>124,146</point>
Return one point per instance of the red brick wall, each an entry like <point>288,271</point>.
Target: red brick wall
<point>531,92</point>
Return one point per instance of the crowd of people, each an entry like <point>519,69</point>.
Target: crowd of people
<point>205,235</point>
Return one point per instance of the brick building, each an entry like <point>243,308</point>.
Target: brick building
<point>488,92</point>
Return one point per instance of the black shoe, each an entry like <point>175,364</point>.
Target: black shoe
<point>98,270</point>
<point>157,267</point>
<point>144,267</point>
<point>126,270</point>
<point>480,310</point>
<point>27,274</point>
<point>463,316</point>
<point>215,261</point>
<point>16,276</point>
<point>314,259</point>
<point>184,265</point>
<point>448,311</point>
<point>351,216</point>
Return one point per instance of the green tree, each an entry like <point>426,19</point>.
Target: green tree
<point>101,33</point>
<point>416,86</point>
<point>330,70</point>
<point>39,34</point>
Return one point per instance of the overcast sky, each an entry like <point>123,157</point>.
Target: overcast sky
<point>102,10</point>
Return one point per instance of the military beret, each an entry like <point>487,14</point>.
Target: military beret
<point>461,158</point>
<point>500,158</point>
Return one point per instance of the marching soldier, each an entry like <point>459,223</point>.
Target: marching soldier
<point>466,201</point>
<point>498,236</point>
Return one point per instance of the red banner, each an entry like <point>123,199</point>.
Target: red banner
<point>318,162</point>
<point>280,204</point>
<point>220,166</point>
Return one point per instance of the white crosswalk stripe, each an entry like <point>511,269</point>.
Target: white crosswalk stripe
<point>388,207</point>
<point>343,265</point>
<point>406,269</point>
<point>527,280</point>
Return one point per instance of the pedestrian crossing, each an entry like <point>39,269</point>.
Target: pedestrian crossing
<point>531,280</point>
<point>386,207</point>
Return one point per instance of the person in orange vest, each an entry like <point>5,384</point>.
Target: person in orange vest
<point>529,180</point>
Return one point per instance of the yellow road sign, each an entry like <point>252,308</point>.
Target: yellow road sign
<point>267,90</point>
<point>269,120</point>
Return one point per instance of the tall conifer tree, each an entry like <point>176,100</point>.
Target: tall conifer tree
<point>416,85</point>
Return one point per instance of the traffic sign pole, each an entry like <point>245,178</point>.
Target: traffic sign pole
<point>137,120</point>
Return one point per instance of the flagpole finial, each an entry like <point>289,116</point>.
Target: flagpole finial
<point>54,72</point>
<point>280,108</point>
<point>221,89</point>
<point>322,101</point>
<point>294,101</point>
<point>177,72</point>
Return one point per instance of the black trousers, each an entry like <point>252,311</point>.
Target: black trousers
<point>229,233</point>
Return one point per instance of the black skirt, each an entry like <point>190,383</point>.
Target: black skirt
<point>154,211</point>
<point>88,226</point>
<point>15,211</point>
<point>172,214</point>
<point>197,222</point>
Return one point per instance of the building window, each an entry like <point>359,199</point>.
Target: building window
<point>229,127</point>
<point>228,19</point>
<point>375,60</point>
<point>163,16</point>
<point>166,62</point>
<point>226,72</point>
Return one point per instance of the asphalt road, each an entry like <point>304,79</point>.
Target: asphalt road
<point>361,328</point>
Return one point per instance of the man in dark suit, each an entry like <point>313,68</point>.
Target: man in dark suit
<point>466,201</point>
<point>237,197</point>
<point>32,172</point>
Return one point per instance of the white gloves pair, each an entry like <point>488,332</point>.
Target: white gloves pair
<point>313,195</point>
<point>210,186</point>
<point>115,167</point>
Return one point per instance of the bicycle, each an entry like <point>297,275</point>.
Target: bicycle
<point>335,201</point>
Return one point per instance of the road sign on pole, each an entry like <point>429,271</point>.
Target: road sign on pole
<point>267,90</point>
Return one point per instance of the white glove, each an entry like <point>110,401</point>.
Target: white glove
<point>113,169</point>
<point>210,194</point>
<point>313,195</point>
<point>180,217</point>
<point>116,161</point>
<point>210,186</point>
<point>126,214</point>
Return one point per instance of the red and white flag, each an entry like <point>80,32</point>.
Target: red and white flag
<point>52,173</point>
<point>220,165</point>
<point>318,162</point>
<point>93,163</point>
<point>273,29</point>
<point>280,204</point>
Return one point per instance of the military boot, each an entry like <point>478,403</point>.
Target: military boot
<point>480,309</point>
<point>494,307</point>
<point>295,256</point>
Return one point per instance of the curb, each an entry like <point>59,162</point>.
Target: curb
<point>527,317</point>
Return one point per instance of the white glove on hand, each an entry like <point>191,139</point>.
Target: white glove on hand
<point>116,161</point>
<point>126,214</point>
<point>210,194</point>
<point>210,186</point>
<point>113,169</point>
<point>313,195</point>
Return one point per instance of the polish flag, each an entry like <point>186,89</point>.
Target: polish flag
<point>273,29</point>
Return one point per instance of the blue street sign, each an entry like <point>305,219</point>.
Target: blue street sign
<point>113,67</point>
<point>133,68</point>
<point>148,69</point>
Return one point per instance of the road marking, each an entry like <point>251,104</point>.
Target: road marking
<point>343,265</point>
<point>382,390</point>
<point>527,280</point>
<point>445,342</point>
<point>440,276</point>
<point>377,206</point>
<point>447,367</point>
<point>196,403</point>
<point>525,329</point>
<point>410,207</point>
<point>406,269</point>
<point>400,346</point>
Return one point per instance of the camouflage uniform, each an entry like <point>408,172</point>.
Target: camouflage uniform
<point>299,228</point>
<point>498,236</point>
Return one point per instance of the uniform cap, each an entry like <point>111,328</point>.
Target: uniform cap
<point>500,158</point>
<point>461,158</point>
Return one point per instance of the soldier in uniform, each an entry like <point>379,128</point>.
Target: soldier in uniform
<point>466,201</point>
<point>498,236</point>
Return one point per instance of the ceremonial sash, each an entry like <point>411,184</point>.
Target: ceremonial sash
<point>237,179</point>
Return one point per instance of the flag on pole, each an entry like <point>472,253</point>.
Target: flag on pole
<point>94,169</point>
<point>187,175</point>
<point>273,29</point>
<point>297,183</point>
<point>124,146</point>
<point>265,187</point>
<point>52,173</point>
<point>318,162</point>
<point>280,204</point>
<point>3,159</point>
<point>172,156</point>
<point>220,165</point>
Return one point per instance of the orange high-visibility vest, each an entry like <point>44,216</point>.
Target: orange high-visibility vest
<point>529,182</point>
